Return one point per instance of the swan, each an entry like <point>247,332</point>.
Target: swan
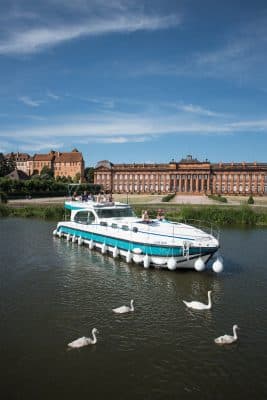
<point>84,341</point>
<point>197,305</point>
<point>124,309</point>
<point>227,339</point>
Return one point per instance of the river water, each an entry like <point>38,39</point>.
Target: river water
<point>53,292</point>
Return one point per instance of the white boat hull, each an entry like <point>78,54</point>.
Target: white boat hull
<point>163,244</point>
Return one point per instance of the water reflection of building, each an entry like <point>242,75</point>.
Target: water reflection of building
<point>188,176</point>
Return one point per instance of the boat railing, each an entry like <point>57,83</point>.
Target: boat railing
<point>206,226</point>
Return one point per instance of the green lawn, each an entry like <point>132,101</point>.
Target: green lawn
<point>138,198</point>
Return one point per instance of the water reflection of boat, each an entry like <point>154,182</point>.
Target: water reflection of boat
<point>113,228</point>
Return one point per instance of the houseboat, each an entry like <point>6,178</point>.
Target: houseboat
<point>114,229</point>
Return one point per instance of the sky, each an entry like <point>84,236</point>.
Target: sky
<point>135,81</point>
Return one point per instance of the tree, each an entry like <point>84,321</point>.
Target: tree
<point>77,178</point>
<point>47,173</point>
<point>7,165</point>
<point>89,174</point>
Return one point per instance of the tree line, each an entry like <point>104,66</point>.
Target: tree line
<point>43,185</point>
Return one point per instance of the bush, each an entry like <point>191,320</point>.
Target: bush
<point>168,197</point>
<point>3,197</point>
<point>218,198</point>
<point>4,211</point>
<point>250,200</point>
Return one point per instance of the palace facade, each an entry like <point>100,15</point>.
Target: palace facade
<point>188,176</point>
<point>62,164</point>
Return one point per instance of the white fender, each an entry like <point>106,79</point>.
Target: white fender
<point>73,239</point>
<point>59,234</point>
<point>128,256</point>
<point>115,252</point>
<point>136,250</point>
<point>138,258</point>
<point>80,240</point>
<point>54,232</point>
<point>146,261</point>
<point>217,266</point>
<point>68,237</point>
<point>91,244</point>
<point>103,248</point>
<point>199,265</point>
<point>171,264</point>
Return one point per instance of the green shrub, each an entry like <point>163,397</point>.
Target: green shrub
<point>168,197</point>
<point>218,198</point>
<point>4,211</point>
<point>250,200</point>
<point>3,197</point>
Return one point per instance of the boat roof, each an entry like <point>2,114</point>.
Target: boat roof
<point>81,205</point>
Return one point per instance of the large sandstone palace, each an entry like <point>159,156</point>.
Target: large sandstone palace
<point>188,176</point>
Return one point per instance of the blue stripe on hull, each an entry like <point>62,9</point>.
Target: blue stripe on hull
<point>152,250</point>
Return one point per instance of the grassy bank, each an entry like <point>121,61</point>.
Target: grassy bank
<point>223,216</point>
<point>33,211</point>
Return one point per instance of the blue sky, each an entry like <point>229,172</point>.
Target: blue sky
<point>134,81</point>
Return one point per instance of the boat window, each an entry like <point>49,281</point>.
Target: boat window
<point>103,223</point>
<point>115,212</point>
<point>135,229</point>
<point>114,226</point>
<point>91,218</point>
<point>125,227</point>
<point>84,217</point>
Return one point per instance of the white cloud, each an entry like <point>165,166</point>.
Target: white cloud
<point>195,109</point>
<point>37,39</point>
<point>39,146</point>
<point>52,95</point>
<point>250,125</point>
<point>120,127</point>
<point>30,102</point>
<point>34,117</point>
<point>115,140</point>
<point>105,102</point>
<point>239,55</point>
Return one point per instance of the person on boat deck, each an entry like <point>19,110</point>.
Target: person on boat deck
<point>110,199</point>
<point>74,196</point>
<point>145,216</point>
<point>160,215</point>
<point>103,198</point>
<point>85,196</point>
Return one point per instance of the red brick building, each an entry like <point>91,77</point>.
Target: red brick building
<point>62,164</point>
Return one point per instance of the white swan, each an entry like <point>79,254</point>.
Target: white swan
<point>197,305</point>
<point>124,309</point>
<point>84,341</point>
<point>227,339</point>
